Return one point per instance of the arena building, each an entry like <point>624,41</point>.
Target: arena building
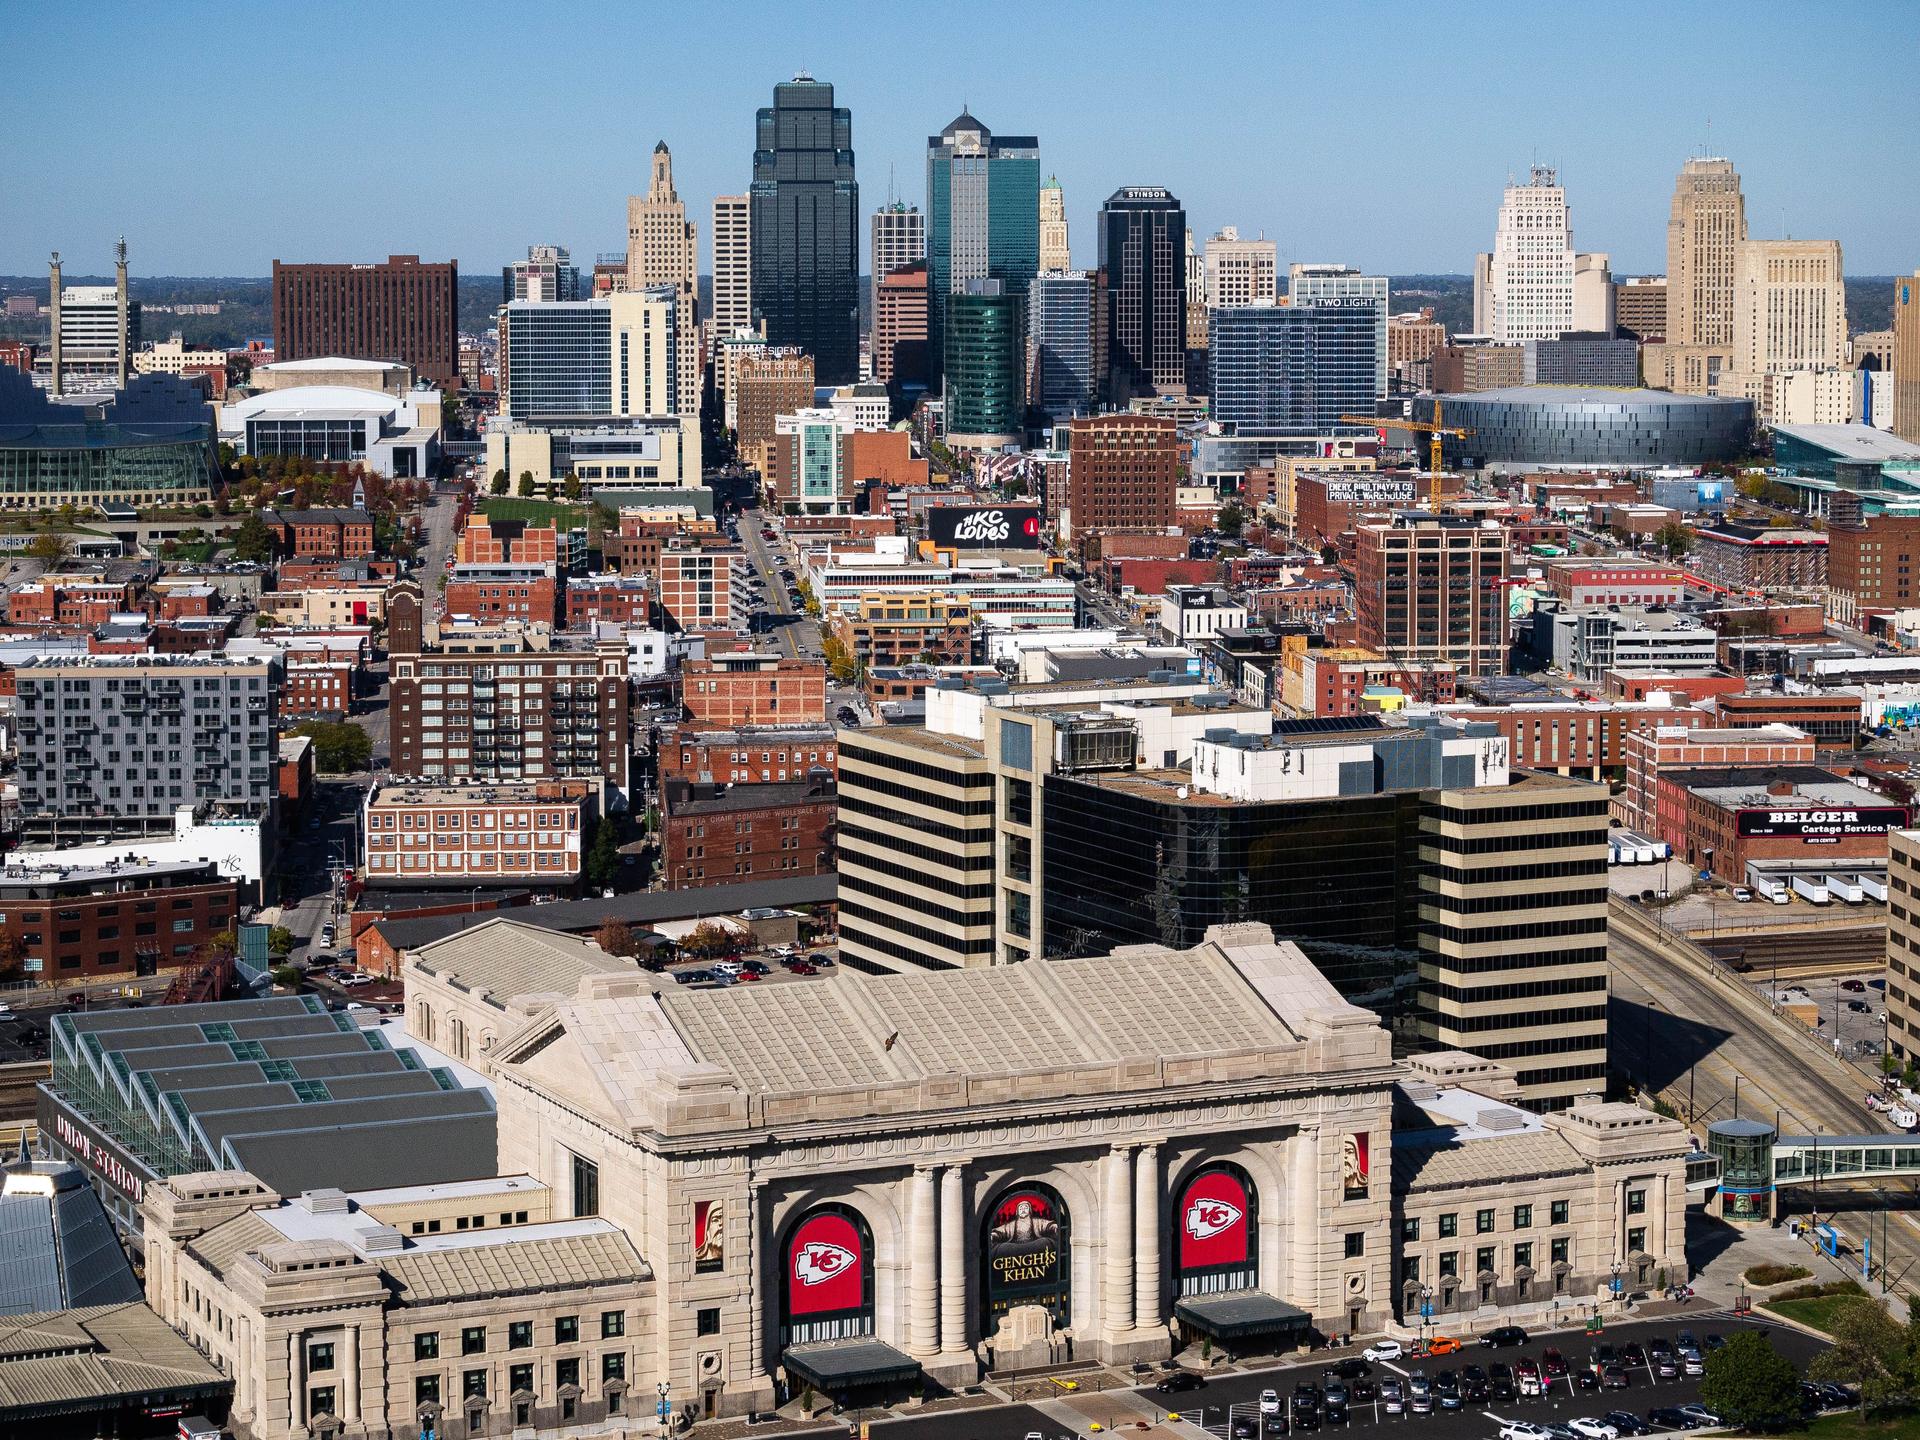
<point>151,444</point>
<point>1582,426</point>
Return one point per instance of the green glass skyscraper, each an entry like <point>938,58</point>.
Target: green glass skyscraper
<point>986,399</point>
<point>804,209</point>
<point>983,218</point>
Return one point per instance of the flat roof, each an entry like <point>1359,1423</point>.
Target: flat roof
<point>509,793</point>
<point>1852,442</point>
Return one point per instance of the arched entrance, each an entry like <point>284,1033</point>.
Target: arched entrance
<point>826,1277</point>
<point>1025,1255</point>
<point>1216,1232</point>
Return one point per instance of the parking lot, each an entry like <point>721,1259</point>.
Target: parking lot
<point>1234,1395</point>
<point>1851,1006</point>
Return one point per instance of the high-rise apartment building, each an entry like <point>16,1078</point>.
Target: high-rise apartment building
<point>1311,284</point>
<point>1055,254</point>
<point>985,365</point>
<point>548,273</point>
<point>402,309</point>
<point>898,239</point>
<point>118,744</point>
<point>732,267</point>
<point>1873,561</point>
<point>768,384</point>
<point>1429,588</point>
<point>805,227</point>
<point>1523,288</point>
<point>1789,306</point>
<point>1707,224</point>
<point>1412,337</point>
<point>1061,382</point>
<point>662,249</point>
<point>1143,246</point>
<point>1299,366</point>
<point>1640,309</point>
<point>1123,472</point>
<point>900,329</point>
<point>983,218</point>
<point>1241,272</point>
<point>1906,357</point>
<point>615,355</point>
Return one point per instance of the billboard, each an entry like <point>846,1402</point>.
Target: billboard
<point>1355,1165</point>
<point>985,527</point>
<point>1026,1256</point>
<point>826,1266</point>
<point>1386,490</point>
<point>709,1235</point>
<point>1821,827</point>
<point>1217,1219</point>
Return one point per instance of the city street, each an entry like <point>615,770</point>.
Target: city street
<point>328,837</point>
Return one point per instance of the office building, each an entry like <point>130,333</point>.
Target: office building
<point>897,241</point>
<point>745,687</point>
<point>1412,337</point>
<point>983,220</point>
<point>1705,228</point>
<point>1640,309</point>
<point>1142,249</point>
<point>1313,284</point>
<point>548,273</point>
<point>767,386</point>
<point>1589,357</point>
<point>900,331</point>
<point>1906,357</point>
<point>732,267</point>
<point>119,744</point>
<point>1061,383</point>
<point>1789,307</point>
<point>984,365</point>
<point>613,356</point>
<point>1471,363</point>
<point>662,250</point>
<point>1122,472</point>
<point>115,919</point>
<point>1524,287</point>
<point>94,330</point>
<point>1429,588</point>
<point>804,228</point>
<point>714,834</point>
<point>505,712</point>
<point>1240,272</point>
<point>452,836</point>
<point>1055,253</point>
<point>1871,559</point>
<point>1297,367</point>
<point>1593,303</point>
<point>702,583</point>
<point>864,406</point>
<point>401,309</point>
<point>659,452</point>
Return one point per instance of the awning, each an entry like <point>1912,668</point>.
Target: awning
<point>1241,1312</point>
<point>842,1364</point>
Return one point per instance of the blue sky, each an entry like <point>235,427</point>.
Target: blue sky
<point>219,137</point>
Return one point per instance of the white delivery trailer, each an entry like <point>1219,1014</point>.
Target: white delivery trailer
<point>1873,886</point>
<point>1846,888</point>
<point>1812,889</point>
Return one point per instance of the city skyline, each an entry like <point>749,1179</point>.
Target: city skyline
<point>1337,172</point>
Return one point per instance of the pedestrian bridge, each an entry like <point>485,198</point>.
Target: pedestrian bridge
<point>1804,1159</point>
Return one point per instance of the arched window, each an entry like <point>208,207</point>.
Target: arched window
<point>1024,1255</point>
<point>1216,1232</point>
<point>826,1276</point>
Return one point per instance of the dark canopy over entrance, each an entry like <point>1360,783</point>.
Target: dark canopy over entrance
<point>838,1365</point>
<point>1242,1313</point>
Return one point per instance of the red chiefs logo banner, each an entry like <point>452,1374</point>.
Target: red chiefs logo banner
<point>1213,1221</point>
<point>825,1266</point>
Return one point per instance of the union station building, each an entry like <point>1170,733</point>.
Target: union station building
<point>861,1184</point>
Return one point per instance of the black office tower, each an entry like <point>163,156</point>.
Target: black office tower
<point>805,238</point>
<point>1143,250</point>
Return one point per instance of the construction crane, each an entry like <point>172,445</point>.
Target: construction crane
<point>1434,428</point>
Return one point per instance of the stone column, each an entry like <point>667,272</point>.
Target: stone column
<point>296,1379</point>
<point>1146,1238</point>
<point>953,1261</point>
<point>1302,1247</point>
<point>923,1256</point>
<point>350,1398</point>
<point>1117,1309</point>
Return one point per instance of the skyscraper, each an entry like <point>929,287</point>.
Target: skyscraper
<point>1298,367</point>
<point>1055,255</point>
<point>399,309</point>
<point>1789,306</point>
<point>1061,383</point>
<point>732,269</point>
<point>1241,272</point>
<point>1528,276</point>
<point>983,218</point>
<point>1312,283</point>
<point>804,227</point>
<point>1143,246</point>
<point>898,239</point>
<point>900,331</point>
<point>548,273</point>
<point>661,250</point>
<point>1707,223</point>
<point>985,393</point>
<point>612,356</point>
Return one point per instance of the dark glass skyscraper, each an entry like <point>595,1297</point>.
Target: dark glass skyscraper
<point>983,216</point>
<point>1293,367</point>
<point>1143,249</point>
<point>805,231</point>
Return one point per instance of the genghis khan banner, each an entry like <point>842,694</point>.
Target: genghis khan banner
<point>1216,1227</point>
<point>826,1283</point>
<point>1024,1254</point>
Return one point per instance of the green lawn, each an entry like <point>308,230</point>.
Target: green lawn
<point>538,512</point>
<point>1851,1427</point>
<point>1817,1311</point>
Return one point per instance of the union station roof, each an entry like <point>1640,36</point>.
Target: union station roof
<point>1239,1007</point>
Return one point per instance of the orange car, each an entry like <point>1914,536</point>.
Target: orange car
<point>1443,1345</point>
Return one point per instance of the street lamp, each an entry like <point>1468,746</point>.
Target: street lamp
<point>665,1410</point>
<point>1426,1310</point>
<point>1616,1281</point>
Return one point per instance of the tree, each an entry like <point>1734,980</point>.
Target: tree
<point>339,746</point>
<point>603,856</point>
<point>280,940</point>
<point>709,939</point>
<point>13,956</point>
<point>499,485</point>
<point>525,488</point>
<point>1231,520</point>
<point>570,486</point>
<point>48,547</point>
<point>253,541</point>
<point>1674,538</point>
<point>1751,1384</point>
<point>616,938</point>
<point>1869,1352</point>
<point>1329,555</point>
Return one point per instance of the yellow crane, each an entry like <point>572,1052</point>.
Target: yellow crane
<point>1433,428</point>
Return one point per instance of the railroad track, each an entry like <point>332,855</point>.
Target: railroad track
<point>1805,954</point>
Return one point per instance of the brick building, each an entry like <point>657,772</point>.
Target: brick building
<point>1327,503</point>
<point>401,309</point>
<point>1694,743</point>
<point>518,542</point>
<point>747,687</point>
<point>77,601</point>
<point>487,593</point>
<point>1616,582</point>
<point>1122,472</point>
<point>325,608</point>
<point>478,834</point>
<point>696,576</point>
<point>892,630</point>
<point>1794,812</point>
<point>326,534</point>
<point>1759,557</point>
<point>1832,719</point>
<point>768,386</point>
<point>1431,588</point>
<point>1582,738</point>
<point>123,919</point>
<point>1871,559</point>
<point>317,688</point>
<point>730,834</point>
<point>881,457</point>
<point>611,599</point>
<point>747,754</point>
<point>1333,681</point>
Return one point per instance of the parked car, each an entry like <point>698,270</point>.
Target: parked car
<point>1244,1427</point>
<point>1553,1365</point>
<point>692,977</point>
<point>1306,1395</point>
<point>1588,1428</point>
<point>1522,1430</point>
<point>1474,1385</point>
<point>1383,1350</point>
<point>1269,1402</point>
<point>1701,1415</point>
<point>1626,1422</point>
<point>1273,1425</point>
<point>1614,1377</point>
<point>1633,1354</point>
<point>1443,1345</point>
<point>1853,987</point>
<point>1446,1389</point>
<point>1393,1397</point>
<point>1667,1417</point>
<point>1420,1395</point>
<point>1502,1336</point>
<point>1500,1382</point>
<point>1351,1368</point>
<point>1176,1382</point>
